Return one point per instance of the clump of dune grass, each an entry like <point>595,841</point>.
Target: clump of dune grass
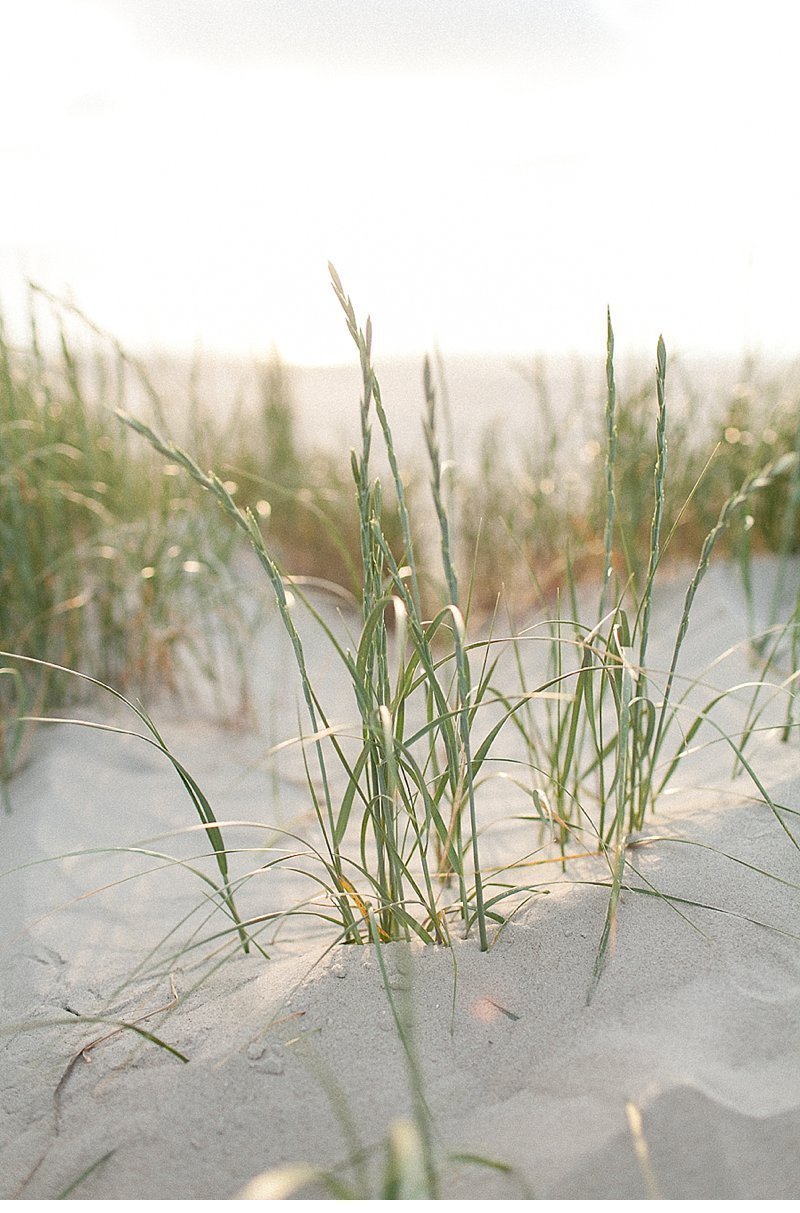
<point>397,801</point>
<point>411,782</point>
<point>610,745</point>
<point>603,734</point>
<point>100,544</point>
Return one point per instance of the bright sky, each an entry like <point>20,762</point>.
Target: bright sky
<point>486,174</point>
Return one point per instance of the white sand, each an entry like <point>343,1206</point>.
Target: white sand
<point>696,1019</point>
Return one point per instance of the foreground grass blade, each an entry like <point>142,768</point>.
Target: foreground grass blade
<point>199,800</point>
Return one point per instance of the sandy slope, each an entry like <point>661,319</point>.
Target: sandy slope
<point>696,1019</point>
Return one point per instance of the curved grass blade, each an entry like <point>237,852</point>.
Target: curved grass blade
<point>201,803</point>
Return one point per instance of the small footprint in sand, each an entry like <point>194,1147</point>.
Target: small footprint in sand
<point>265,1058</point>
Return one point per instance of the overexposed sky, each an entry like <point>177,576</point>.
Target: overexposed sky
<point>486,174</point>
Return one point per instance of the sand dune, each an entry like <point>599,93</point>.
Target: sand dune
<point>695,1021</point>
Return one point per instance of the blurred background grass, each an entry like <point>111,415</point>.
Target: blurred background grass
<point>110,566</point>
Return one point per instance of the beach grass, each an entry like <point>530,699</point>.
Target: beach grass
<point>397,813</point>
<point>100,545</point>
<point>104,543</point>
<point>491,632</point>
